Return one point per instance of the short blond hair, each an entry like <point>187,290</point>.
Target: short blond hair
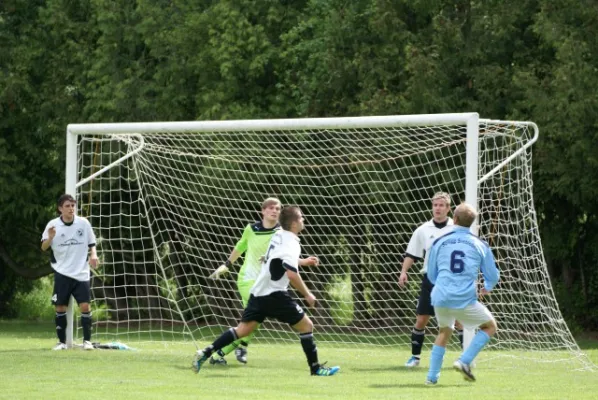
<point>271,201</point>
<point>442,196</point>
<point>465,214</point>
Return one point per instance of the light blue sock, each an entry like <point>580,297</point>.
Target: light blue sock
<point>436,358</point>
<point>477,344</point>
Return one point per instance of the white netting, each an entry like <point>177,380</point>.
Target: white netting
<point>169,215</point>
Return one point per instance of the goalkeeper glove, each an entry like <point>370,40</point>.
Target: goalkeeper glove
<point>221,270</point>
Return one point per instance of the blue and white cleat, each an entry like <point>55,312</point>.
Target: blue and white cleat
<point>464,369</point>
<point>430,383</point>
<point>326,371</point>
<point>412,362</point>
<point>198,360</point>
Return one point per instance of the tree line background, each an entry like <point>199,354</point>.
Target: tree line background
<point>78,61</point>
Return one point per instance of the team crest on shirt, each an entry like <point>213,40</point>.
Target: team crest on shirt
<point>80,232</point>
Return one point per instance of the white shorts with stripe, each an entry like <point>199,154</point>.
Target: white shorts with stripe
<point>471,316</point>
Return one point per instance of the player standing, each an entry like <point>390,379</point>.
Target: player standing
<point>73,242</point>
<point>418,247</point>
<point>454,264</point>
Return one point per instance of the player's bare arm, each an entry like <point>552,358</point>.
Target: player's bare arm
<point>407,264</point>
<point>48,242</point>
<point>93,258</point>
<point>311,261</point>
<point>297,282</point>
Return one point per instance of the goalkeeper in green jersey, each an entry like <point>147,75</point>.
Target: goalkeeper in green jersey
<point>254,244</point>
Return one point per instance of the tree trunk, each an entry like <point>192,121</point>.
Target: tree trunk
<point>27,273</point>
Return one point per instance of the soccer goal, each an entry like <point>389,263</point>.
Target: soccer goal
<point>169,200</point>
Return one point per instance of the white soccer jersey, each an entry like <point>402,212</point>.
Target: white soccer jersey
<point>70,247</point>
<point>423,238</point>
<point>283,254</point>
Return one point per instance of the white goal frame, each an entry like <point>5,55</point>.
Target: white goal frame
<point>470,120</point>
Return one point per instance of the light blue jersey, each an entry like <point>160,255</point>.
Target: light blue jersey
<point>453,267</point>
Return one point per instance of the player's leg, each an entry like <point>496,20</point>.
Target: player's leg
<point>475,315</point>
<point>240,345</point>
<point>60,300</point>
<point>305,328</point>
<point>252,316</point>
<point>459,332</point>
<point>82,294</point>
<point>285,309</point>
<point>227,337</point>
<point>424,311</point>
<point>446,324</point>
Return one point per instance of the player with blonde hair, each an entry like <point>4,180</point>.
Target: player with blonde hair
<point>417,249</point>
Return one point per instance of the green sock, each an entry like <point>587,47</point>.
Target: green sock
<point>231,347</point>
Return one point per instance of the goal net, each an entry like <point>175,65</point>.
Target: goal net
<point>168,202</point>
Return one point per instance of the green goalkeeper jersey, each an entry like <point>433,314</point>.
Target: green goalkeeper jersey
<point>254,244</point>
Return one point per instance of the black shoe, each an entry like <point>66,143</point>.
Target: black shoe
<point>219,360</point>
<point>241,354</point>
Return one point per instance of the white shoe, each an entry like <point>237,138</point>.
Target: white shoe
<point>87,345</point>
<point>464,369</point>
<point>412,362</point>
<point>60,346</point>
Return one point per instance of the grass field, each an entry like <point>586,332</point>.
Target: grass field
<point>30,370</point>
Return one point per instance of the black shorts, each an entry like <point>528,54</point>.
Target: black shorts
<point>278,305</point>
<point>65,286</point>
<point>424,303</point>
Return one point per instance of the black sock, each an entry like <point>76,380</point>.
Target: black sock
<point>460,335</point>
<point>224,340</point>
<point>417,341</point>
<point>310,350</point>
<point>61,326</point>
<point>86,324</point>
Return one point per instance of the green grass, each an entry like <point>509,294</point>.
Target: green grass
<point>30,370</point>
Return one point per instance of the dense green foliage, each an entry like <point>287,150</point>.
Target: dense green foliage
<point>65,61</point>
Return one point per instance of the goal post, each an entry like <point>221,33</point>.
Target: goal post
<point>169,200</point>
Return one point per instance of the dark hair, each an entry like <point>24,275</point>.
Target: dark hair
<point>288,215</point>
<point>64,198</point>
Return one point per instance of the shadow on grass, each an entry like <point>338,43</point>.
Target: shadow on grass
<point>397,368</point>
<point>415,386</point>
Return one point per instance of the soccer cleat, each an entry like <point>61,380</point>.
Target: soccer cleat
<point>464,369</point>
<point>325,371</point>
<point>219,360</point>
<point>430,383</point>
<point>87,345</point>
<point>198,360</point>
<point>60,346</point>
<point>412,362</point>
<point>241,354</point>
